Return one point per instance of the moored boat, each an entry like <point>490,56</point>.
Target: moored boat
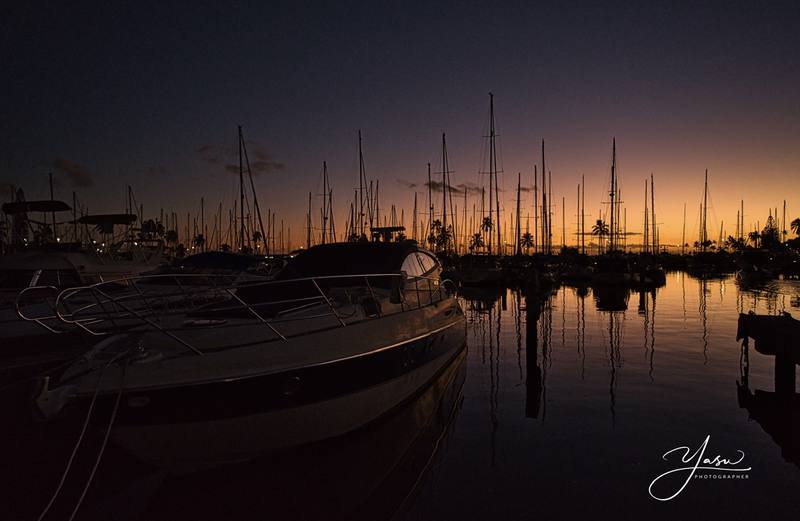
<point>346,333</point>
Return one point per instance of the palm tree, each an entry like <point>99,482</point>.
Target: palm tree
<point>171,236</point>
<point>476,242</point>
<point>526,241</point>
<point>600,229</point>
<point>754,238</point>
<point>256,238</point>
<point>486,224</point>
<point>444,238</point>
<point>199,241</point>
<point>795,224</point>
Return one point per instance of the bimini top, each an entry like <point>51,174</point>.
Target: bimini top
<point>35,206</point>
<point>348,258</point>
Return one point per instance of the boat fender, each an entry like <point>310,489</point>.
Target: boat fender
<point>50,403</point>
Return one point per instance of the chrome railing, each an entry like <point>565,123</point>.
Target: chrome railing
<point>152,302</point>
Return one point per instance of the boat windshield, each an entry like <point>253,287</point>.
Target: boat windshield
<point>348,259</point>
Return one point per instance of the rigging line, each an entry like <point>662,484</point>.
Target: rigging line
<point>80,438</point>
<point>105,442</point>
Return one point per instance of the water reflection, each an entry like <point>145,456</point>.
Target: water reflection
<point>778,411</point>
<point>476,444</point>
<point>368,475</point>
<point>592,383</point>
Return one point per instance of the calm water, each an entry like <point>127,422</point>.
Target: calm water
<point>559,408</point>
<point>617,390</point>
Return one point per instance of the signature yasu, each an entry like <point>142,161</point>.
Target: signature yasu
<point>691,462</point>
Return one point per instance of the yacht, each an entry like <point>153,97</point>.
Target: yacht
<point>344,334</point>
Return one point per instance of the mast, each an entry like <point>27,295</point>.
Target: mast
<point>645,235</point>
<point>683,234</point>
<point>704,236</point>
<point>741,228</point>
<point>241,192</point>
<point>578,224</point>
<point>491,165</point>
<point>518,246</point>
<point>653,213</point>
<point>324,202</point>
<point>52,214</point>
<point>783,222</point>
<point>430,205</point>
<point>535,210</point>
<point>203,221</point>
<point>252,186</point>
<point>414,219</point>
<point>613,194</point>
<point>360,187</point>
<point>583,214</point>
<point>545,210</point>
<point>75,216</point>
<point>308,221</point>
<point>444,188</point>
<point>464,222</point>
<point>563,222</point>
<point>549,212</point>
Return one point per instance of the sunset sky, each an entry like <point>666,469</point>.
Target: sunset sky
<point>151,96</point>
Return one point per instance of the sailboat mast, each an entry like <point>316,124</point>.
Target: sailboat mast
<point>563,222</point>
<point>308,221</point>
<point>653,213</point>
<point>583,214</point>
<point>704,237</point>
<point>491,165</point>
<point>549,211</point>
<point>324,202</point>
<point>613,194</point>
<point>414,219</point>
<point>683,234</point>
<point>241,192</point>
<point>444,188</point>
<point>545,212</point>
<point>535,210</point>
<point>464,222</point>
<point>645,236</point>
<point>518,246</point>
<point>360,187</point>
<point>430,204</point>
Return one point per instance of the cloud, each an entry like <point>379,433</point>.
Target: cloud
<point>407,184</point>
<point>214,154</point>
<point>228,155</point>
<point>459,189</point>
<point>77,174</point>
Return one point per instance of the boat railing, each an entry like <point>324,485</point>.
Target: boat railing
<point>159,302</point>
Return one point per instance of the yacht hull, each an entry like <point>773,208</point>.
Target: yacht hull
<point>237,421</point>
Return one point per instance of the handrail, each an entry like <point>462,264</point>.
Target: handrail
<point>131,302</point>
